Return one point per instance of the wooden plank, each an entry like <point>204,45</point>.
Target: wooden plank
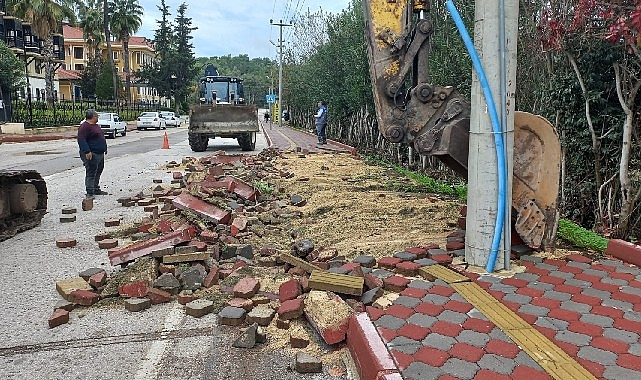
<point>438,271</point>
<point>186,257</point>
<point>295,261</point>
<point>338,283</point>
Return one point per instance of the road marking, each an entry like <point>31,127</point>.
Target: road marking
<point>548,355</point>
<point>150,365</point>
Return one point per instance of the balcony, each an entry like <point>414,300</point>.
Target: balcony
<point>13,33</point>
<point>3,7</point>
<point>58,48</point>
<point>31,41</point>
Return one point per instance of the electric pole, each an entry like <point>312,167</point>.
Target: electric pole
<point>280,70</point>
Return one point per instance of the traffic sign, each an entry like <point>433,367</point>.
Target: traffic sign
<point>270,98</point>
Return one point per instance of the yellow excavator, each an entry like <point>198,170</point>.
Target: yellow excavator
<point>435,120</point>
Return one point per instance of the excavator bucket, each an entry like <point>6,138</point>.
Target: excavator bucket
<point>535,184</point>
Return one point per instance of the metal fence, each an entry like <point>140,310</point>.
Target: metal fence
<point>36,114</point>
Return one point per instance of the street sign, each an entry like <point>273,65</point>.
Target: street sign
<point>270,98</point>
<point>276,113</point>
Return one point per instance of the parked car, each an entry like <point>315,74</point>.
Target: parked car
<point>111,124</point>
<point>170,118</point>
<point>150,120</point>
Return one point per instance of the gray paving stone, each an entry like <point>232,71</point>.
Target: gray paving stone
<point>622,335</point>
<point>405,256</point>
<point>595,272</point>
<point>531,259</point>
<point>612,263</point>
<point>507,289</point>
<point>617,373</point>
<point>560,296</point>
<point>436,251</point>
<point>420,284</point>
<point>460,368</point>
<point>552,323</point>
<point>539,311</point>
<point>436,299</point>
<point>617,304</point>
<point>497,333</point>
<point>597,355</point>
<point>635,349</point>
<point>405,345</point>
<point>632,315</point>
<point>475,313</point>
<point>563,275</point>
<point>422,320</point>
<point>491,279</point>
<point>523,358</point>
<point>614,281</point>
<point>599,320</point>
<point>527,276</point>
<point>602,294</point>
<point>580,308</point>
<point>439,341</point>
<point>551,268</point>
<point>365,261</point>
<point>578,283</point>
<point>631,290</point>
<point>382,273</point>
<point>574,338</point>
<point>458,297</point>
<point>453,316</point>
<point>517,298</point>
<point>410,302</point>
<point>577,264</point>
<point>473,338</point>
<point>421,371</point>
<point>497,363</point>
<point>540,285</point>
<point>425,262</point>
<point>625,268</point>
<point>389,322</point>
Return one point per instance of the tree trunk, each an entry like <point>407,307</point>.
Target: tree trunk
<point>49,69</point>
<point>125,57</point>
<point>110,56</point>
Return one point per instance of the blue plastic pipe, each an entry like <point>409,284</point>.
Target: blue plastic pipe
<point>498,136</point>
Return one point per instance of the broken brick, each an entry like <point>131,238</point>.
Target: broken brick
<point>199,307</point>
<point>157,296</point>
<point>65,287</point>
<point>328,314</point>
<point>209,236</point>
<point>67,219</point>
<point>396,283</point>
<point>246,287</point>
<point>291,309</point>
<point>212,277</point>
<point>186,296</point>
<point>108,243</point>
<point>188,202</point>
<point>112,222</point>
<point>289,290</point>
<point>137,304</point>
<point>238,225</point>
<point>454,245</point>
<point>66,243</point>
<point>135,289</point>
<point>261,315</point>
<point>102,236</point>
<point>232,316</point>
<point>83,297</point>
<point>243,303</point>
<point>58,317</point>
<point>98,280</point>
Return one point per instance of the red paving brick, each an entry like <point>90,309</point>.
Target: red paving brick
<point>414,292</point>
<point>399,311</point>
<point>466,352</point>
<point>431,356</point>
<point>429,309</point>
<point>502,348</point>
<point>413,331</point>
<point>478,325</point>
<point>611,345</point>
<point>446,328</point>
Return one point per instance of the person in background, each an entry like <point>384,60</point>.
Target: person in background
<point>93,148</point>
<point>321,122</point>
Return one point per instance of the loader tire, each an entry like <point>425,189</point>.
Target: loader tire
<point>247,141</point>
<point>198,143</point>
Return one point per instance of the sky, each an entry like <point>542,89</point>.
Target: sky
<point>234,27</point>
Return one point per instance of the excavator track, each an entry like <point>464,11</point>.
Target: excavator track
<point>23,201</point>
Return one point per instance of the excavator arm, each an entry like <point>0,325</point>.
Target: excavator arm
<point>435,119</point>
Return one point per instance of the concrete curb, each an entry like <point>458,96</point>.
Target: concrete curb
<point>625,251</point>
<point>351,149</point>
<point>368,350</point>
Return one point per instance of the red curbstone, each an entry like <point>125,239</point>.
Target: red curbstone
<point>368,350</point>
<point>626,251</point>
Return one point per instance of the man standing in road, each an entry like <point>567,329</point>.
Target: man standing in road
<point>321,122</point>
<point>93,147</point>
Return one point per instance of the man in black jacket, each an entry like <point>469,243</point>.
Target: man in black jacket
<point>93,147</point>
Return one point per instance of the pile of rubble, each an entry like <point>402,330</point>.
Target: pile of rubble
<point>198,247</point>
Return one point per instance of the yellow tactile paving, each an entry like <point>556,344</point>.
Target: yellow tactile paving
<point>549,356</point>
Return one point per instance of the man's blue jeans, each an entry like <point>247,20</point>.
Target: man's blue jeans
<point>320,132</point>
<point>93,170</point>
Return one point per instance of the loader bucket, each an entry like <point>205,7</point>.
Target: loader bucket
<point>223,119</point>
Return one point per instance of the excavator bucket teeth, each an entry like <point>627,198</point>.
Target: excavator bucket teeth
<point>535,186</point>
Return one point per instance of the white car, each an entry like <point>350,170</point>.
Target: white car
<point>150,120</point>
<point>111,124</point>
<point>171,120</point>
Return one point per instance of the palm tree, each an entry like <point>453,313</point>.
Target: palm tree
<point>110,57</point>
<point>90,20</point>
<point>125,21</point>
<point>45,17</point>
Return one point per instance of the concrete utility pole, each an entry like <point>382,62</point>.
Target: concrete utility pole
<point>495,37</point>
<point>280,71</point>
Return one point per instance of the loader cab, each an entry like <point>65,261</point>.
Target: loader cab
<point>221,90</point>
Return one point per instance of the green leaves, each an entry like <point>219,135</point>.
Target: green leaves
<point>11,68</point>
<point>581,237</point>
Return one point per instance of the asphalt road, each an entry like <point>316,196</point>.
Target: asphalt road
<point>108,343</point>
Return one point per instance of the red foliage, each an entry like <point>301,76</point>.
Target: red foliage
<point>617,21</point>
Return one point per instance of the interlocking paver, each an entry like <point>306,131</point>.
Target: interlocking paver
<point>461,369</point>
<point>389,322</point>
<point>497,363</point>
<point>453,316</point>
<point>439,341</point>
<point>598,320</point>
<point>539,311</point>
<point>473,338</point>
<point>574,338</point>
<point>622,335</point>
<point>580,308</point>
<point>436,299</point>
<point>420,284</point>
<point>409,302</point>
<point>422,371</point>
<point>422,320</point>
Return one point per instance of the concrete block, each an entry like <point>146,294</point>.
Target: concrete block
<point>137,304</point>
<point>199,307</point>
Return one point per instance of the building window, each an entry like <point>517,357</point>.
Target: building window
<point>115,55</point>
<point>79,66</point>
<point>64,66</point>
<point>38,67</point>
<point>78,52</point>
